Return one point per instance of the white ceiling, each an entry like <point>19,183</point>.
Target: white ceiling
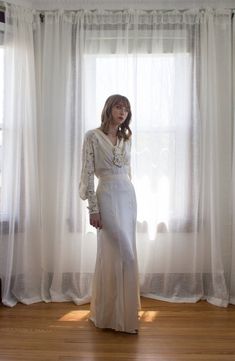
<point>120,4</point>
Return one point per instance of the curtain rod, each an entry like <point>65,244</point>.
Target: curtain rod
<point>42,12</point>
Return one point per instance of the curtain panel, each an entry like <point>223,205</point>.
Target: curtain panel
<point>176,68</point>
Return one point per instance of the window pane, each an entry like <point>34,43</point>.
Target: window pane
<point>158,86</point>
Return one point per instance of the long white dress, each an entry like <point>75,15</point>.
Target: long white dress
<point>115,293</point>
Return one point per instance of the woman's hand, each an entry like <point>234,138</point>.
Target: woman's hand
<point>95,220</point>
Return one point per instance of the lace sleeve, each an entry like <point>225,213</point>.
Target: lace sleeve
<point>86,185</point>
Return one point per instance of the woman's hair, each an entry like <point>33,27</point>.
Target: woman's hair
<point>106,116</point>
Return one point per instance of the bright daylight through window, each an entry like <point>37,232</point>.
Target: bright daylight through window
<point>162,127</point>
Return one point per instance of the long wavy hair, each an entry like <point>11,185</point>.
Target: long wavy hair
<point>124,130</point>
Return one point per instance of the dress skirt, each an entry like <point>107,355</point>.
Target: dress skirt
<point>115,292</point>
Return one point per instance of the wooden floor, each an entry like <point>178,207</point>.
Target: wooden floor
<point>168,332</point>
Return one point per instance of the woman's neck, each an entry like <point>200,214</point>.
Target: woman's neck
<point>113,130</point>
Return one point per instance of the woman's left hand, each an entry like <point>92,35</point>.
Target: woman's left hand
<point>95,220</point>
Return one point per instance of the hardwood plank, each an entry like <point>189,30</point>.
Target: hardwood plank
<point>168,332</point>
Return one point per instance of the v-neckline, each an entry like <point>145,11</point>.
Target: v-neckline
<point>107,138</point>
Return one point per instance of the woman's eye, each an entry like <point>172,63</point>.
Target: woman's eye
<point>119,107</point>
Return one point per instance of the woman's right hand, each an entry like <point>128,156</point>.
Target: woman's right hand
<point>95,220</point>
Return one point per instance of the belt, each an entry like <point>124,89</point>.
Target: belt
<point>114,176</point>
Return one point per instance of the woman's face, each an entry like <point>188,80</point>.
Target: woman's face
<point>119,114</point>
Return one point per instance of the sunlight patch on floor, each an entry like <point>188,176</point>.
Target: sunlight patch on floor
<point>83,315</point>
<point>148,316</point>
<point>80,315</point>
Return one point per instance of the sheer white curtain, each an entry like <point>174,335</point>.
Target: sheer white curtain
<point>20,250</point>
<point>176,69</point>
<point>232,271</point>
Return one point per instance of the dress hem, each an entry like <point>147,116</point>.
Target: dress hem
<point>132,332</point>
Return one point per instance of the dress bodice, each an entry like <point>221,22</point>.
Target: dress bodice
<point>101,158</point>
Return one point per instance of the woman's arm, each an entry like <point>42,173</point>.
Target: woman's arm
<point>86,185</point>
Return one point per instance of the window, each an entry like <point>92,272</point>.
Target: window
<point>162,125</point>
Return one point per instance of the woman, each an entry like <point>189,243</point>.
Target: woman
<point>112,208</point>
